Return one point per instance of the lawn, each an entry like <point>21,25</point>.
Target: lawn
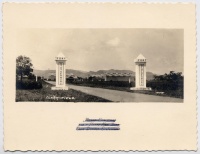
<point>47,95</point>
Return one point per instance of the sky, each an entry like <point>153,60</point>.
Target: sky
<point>103,49</point>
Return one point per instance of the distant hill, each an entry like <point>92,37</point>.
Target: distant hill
<point>84,74</point>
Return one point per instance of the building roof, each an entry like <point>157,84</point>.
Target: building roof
<point>96,75</point>
<point>71,75</point>
<point>52,74</point>
<point>140,57</point>
<point>119,74</point>
<point>60,56</point>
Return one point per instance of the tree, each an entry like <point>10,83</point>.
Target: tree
<point>31,76</point>
<point>23,66</point>
<point>170,81</point>
<point>172,76</point>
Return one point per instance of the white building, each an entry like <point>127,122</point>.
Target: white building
<point>119,77</point>
<point>60,73</point>
<point>140,73</point>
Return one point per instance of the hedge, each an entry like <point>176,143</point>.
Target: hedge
<point>28,84</point>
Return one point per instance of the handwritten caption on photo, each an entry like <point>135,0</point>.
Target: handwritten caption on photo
<point>59,98</point>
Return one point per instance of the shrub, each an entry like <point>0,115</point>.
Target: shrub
<point>171,88</point>
<point>28,84</point>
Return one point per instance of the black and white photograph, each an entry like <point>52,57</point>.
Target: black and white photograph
<point>99,77</point>
<point>100,65</point>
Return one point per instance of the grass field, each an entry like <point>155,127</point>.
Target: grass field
<point>47,95</point>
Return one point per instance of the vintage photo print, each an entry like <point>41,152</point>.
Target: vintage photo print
<point>99,77</point>
<point>100,65</point>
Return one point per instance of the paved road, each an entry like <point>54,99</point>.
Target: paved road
<point>121,96</point>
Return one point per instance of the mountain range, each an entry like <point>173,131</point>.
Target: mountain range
<point>84,74</point>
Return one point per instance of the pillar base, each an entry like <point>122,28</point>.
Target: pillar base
<point>140,88</point>
<point>59,88</point>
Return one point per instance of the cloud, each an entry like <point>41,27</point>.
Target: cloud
<point>113,42</point>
